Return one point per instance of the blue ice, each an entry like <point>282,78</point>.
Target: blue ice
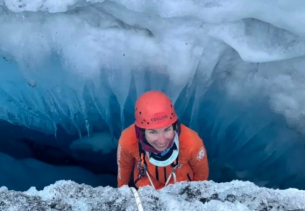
<point>71,71</point>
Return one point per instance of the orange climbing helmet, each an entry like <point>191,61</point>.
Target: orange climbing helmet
<point>154,110</point>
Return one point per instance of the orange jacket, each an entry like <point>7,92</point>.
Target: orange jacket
<point>192,156</point>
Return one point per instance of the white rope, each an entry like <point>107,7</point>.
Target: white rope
<point>173,174</point>
<point>138,199</point>
<point>151,182</point>
<point>169,178</point>
<point>136,194</point>
<point>175,179</point>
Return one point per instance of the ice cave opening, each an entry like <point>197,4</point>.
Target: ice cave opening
<point>244,140</point>
<point>71,71</point>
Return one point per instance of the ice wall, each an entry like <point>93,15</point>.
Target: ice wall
<point>77,54</point>
<point>233,68</point>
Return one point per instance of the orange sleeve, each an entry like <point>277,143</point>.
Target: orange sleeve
<point>125,162</point>
<point>199,160</point>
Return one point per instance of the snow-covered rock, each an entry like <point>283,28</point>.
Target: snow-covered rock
<point>235,196</point>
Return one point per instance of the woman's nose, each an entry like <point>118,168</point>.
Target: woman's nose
<point>161,139</point>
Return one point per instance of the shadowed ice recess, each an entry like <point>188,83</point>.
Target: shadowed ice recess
<point>71,72</point>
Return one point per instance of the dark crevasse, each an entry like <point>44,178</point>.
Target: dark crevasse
<point>248,141</point>
<point>30,158</point>
<point>244,140</point>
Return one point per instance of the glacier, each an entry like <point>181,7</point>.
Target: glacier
<point>71,71</point>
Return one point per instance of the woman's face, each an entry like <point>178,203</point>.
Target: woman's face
<point>160,138</point>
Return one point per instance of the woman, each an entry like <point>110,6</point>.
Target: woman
<point>158,148</point>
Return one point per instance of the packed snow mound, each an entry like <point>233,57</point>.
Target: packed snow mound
<point>235,196</point>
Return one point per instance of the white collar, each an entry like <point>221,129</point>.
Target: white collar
<point>170,159</point>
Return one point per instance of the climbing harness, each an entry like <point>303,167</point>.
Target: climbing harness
<point>171,158</point>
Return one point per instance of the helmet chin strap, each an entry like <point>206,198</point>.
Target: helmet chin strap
<point>163,161</point>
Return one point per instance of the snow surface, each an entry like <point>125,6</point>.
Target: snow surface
<point>235,196</point>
